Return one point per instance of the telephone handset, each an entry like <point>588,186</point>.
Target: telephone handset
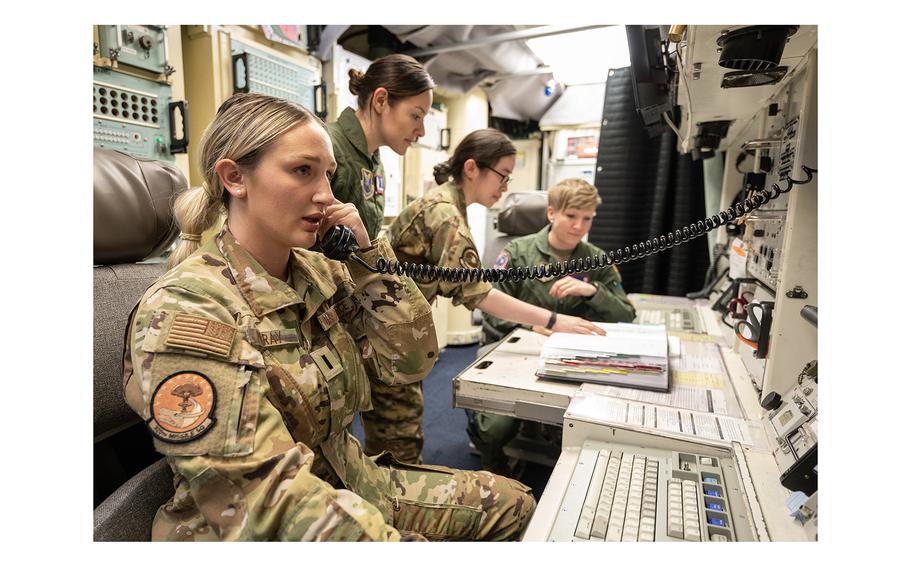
<point>340,244</point>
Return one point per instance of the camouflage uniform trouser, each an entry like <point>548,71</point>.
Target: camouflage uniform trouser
<point>396,422</point>
<point>386,500</point>
<point>441,503</point>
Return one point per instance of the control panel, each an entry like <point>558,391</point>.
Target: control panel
<point>793,418</point>
<point>765,235</point>
<point>130,114</point>
<point>258,71</point>
<point>132,107</point>
<point>142,47</point>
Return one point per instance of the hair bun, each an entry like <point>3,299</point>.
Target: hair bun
<point>442,171</point>
<point>355,79</point>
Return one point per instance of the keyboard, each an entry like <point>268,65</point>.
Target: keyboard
<point>629,493</point>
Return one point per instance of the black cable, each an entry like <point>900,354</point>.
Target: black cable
<point>425,272</point>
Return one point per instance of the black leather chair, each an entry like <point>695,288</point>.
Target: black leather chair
<point>133,222</point>
<point>522,213</point>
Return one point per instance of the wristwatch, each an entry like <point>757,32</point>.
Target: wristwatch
<point>552,321</point>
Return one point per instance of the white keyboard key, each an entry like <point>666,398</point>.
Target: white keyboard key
<point>614,531</point>
<point>604,505</point>
<point>586,518</point>
<point>675,530</point>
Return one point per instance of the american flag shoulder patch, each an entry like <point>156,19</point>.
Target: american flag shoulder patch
<point>201,334</point>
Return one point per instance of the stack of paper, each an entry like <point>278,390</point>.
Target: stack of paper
<point>629,355</point>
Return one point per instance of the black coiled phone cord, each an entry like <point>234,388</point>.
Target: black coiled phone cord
<point>425,272</point>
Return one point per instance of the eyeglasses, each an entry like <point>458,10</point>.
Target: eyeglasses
<point>503,178</point>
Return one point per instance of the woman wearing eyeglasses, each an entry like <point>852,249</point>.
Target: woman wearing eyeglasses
<point>434,230</point>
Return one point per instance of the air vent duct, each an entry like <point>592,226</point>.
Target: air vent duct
<point>755,48</point>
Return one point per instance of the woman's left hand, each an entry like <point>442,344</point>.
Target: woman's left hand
<point>569,286</point>
<point>346,214</point>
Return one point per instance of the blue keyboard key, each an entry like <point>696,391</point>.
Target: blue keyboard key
<point>717,522</point>
<point>715,506</point>
<point>712,492</point>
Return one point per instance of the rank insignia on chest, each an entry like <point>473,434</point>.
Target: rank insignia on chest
<point>182,407</point>
<point>380,184</point>
<point>366,182</point>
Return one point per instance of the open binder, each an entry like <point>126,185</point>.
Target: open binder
<point>629,355</point>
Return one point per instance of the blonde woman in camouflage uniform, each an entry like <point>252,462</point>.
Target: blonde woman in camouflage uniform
<point>434,230</point>
<point>393,97</point>
<point>249,358</point>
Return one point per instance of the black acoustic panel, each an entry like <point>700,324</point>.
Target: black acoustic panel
<point>647,189</point>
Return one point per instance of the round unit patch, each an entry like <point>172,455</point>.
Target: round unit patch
<point>182,407</point>
<point>469,258</point>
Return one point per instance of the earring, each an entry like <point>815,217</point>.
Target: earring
<point>240,192</point>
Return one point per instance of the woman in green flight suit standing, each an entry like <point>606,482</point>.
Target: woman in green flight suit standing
<point>393,97</point>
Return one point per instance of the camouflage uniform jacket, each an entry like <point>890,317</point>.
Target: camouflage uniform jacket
<point>249,384</point>
<point>608,304</point>
<point>434,230</point>
<point>359,177</point>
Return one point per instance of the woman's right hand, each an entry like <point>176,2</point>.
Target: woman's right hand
<point>339,213</point>
<point>572,324</point>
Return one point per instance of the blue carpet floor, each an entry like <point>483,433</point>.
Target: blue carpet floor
<point>445,437</point>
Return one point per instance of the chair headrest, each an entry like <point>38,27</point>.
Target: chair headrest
<point>133,206</point>
<point>523,213</point>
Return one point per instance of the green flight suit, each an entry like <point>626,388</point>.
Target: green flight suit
<point>491,432</point>
<point>359,178</point>
<point>249,385</point>
<point>431,230</point>
<point>609,303</point>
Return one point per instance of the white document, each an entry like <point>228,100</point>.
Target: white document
<point>706,426</point>
<point>624,339</point>
<point>718,401</point>
<point>668,420</point>
<point>685,397</point>
<point>739,253</point>
<point>702,425</point>
<point>734,429</point>
<point>697,357</point>
<point>636,415</point>
<point>675,345</point>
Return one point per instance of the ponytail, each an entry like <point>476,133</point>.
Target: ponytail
<point>244,127</point>
<point>195,211</point>
<point>484,146</point>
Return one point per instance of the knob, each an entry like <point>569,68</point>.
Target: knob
<point>771,401</point>
<point>145,42</point>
